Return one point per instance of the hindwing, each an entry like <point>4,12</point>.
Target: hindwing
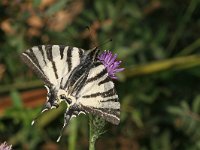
<point>98,95</point>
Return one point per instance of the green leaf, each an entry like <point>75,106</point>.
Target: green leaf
<point>36,3</point>
<point>56,7</point>
<point>185,106</point>
<point>137,117</point>
<point>196,104</point>
<point>175,110</point>
<point>100,9</point>
<point>111,10</point>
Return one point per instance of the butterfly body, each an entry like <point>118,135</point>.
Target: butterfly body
<point>77,77</point>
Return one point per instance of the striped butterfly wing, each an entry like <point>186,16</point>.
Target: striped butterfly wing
<point>53,63</point>
<point>80,75</point>
<point>98,95</point>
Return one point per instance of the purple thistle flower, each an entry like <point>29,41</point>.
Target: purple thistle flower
<point>109,61</point>
<point>5,146</point>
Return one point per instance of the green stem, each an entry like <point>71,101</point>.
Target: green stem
<point>96,128</point>
<point>182,62</point>
<point>73,134</point>
<point>91,132</point>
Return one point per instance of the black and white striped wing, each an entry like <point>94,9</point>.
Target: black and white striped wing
<point>53,63</point>
<point>98,95</point>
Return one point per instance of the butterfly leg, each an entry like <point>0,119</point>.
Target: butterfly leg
<point>71,112</point>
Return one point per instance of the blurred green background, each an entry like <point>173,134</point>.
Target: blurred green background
<point>158,42</point>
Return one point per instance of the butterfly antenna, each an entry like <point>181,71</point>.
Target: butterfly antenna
<point>104,43</point>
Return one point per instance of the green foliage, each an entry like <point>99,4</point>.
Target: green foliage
<point>187,120</point>
<point>158,42</point>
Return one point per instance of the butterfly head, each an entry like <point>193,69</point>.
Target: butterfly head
<point>92,54</point>
<point>64,96</point>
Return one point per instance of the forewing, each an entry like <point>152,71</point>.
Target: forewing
<point>98,95</point>
<point>53,63</point>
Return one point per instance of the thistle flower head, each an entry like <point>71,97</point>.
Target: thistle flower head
<point>5,146</point>
<point>109,61</point>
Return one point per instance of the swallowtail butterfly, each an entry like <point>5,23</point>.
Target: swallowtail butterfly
<point>77,77</point>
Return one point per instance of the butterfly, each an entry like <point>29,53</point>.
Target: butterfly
<point>77,77</point>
